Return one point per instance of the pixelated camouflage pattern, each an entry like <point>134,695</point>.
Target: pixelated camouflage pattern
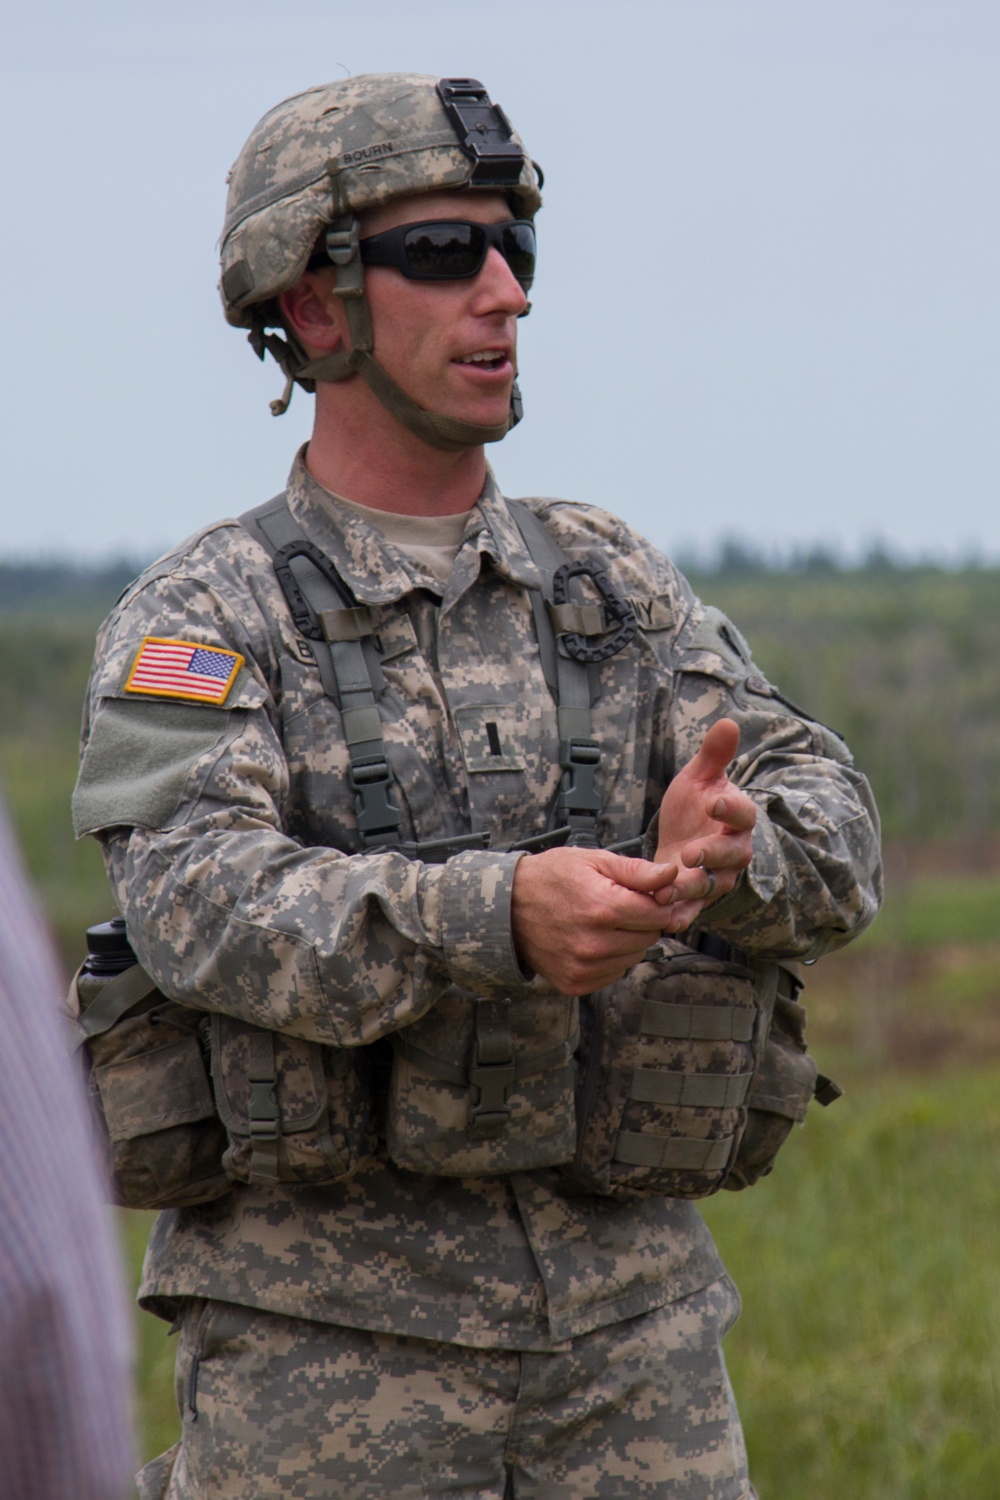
<point>340,148</point>
<point>254,900</point>
<point>671,974</point>
<point>644,1409</point>
<point>432,1120</point>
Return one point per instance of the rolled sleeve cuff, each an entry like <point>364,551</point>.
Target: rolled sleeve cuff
<point>475,914</point>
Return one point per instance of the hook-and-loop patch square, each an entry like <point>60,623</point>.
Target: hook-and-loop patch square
<point>183,669</point>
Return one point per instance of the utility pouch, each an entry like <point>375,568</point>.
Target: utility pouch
<point>667,1058</point>
<point>148,1081</point>
<point>295,1111</point>
<point>484,1086</point>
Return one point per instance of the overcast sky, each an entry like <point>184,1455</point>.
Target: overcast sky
<point>768,301</point>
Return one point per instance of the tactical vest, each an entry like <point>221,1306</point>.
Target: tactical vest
<point>689,1073</point>
<point>477,1085</point>
<point>684,1077</point>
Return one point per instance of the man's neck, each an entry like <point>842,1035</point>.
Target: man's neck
<point>388,468</point>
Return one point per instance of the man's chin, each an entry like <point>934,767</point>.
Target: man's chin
<point>493,413</point>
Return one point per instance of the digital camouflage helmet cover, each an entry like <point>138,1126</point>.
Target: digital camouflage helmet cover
<point>319,160</point>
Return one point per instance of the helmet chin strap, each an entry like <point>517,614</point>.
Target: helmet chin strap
<point>434,428</point>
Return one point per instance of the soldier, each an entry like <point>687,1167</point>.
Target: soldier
<point>357,762</point>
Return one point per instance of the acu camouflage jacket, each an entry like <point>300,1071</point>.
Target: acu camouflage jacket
<point>230,839</point>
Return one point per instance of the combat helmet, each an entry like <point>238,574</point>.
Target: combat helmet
<point>316,162</point>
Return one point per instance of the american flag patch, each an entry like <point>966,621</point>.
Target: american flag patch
<point>183,669</point>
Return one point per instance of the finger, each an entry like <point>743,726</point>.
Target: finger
<point>682,916</point>
<point>633,918</point>
<point>636,874</point>
<point>735,810</point>
<point>695,885</point>
<point>719,851</point>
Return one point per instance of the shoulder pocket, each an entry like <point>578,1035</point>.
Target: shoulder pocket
<point>138,760</point>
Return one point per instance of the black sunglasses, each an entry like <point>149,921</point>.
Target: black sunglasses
<point>452,249</point>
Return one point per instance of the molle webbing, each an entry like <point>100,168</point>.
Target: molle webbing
<point>687,1090</point>
<point>666,1081</point>
<point>701,1023</point>
<point>690,1090</point>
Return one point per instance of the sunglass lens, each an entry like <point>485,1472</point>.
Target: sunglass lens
<point>518,251</point>
<point>444,250</point>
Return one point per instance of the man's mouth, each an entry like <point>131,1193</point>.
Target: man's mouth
<point>485,359</point>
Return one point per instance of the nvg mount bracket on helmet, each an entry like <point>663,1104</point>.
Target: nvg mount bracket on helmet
<point>484,132</point>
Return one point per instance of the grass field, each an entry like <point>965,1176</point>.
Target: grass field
<point>866,1363</point>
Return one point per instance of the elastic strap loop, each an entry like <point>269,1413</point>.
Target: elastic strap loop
<point>702,1023</point>
<point>262,1108</point>
<point>118,996</point>
<point>689,1090</point>
<point>674,1153</point>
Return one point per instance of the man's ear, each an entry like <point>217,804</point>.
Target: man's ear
<point>314,313</point>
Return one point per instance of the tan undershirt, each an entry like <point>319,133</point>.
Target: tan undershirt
<point>432,542</point>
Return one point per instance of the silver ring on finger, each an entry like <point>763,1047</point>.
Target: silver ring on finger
<point>711,882</point>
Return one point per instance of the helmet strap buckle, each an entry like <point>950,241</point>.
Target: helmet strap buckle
<point>342,240</point>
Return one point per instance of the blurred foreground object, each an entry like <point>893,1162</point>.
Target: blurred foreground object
<point>64,1327</point>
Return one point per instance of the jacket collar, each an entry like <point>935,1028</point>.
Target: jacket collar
<point>378,572</point>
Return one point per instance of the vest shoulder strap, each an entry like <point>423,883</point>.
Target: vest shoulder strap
<point>570,684</point>
<point>326,612</point>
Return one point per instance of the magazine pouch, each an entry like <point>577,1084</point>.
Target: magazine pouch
<point>295,1111</point>
<point>484,1086</point>
<point>666,1062</point>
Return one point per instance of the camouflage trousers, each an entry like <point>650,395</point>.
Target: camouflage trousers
<point>282,1407</point>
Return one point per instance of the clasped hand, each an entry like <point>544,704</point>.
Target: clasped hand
<point>582,917</point>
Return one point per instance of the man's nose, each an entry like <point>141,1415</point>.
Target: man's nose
<point>497,281</point>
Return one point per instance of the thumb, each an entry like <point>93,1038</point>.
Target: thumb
<point>636,874</point>
<point>718,748</point>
